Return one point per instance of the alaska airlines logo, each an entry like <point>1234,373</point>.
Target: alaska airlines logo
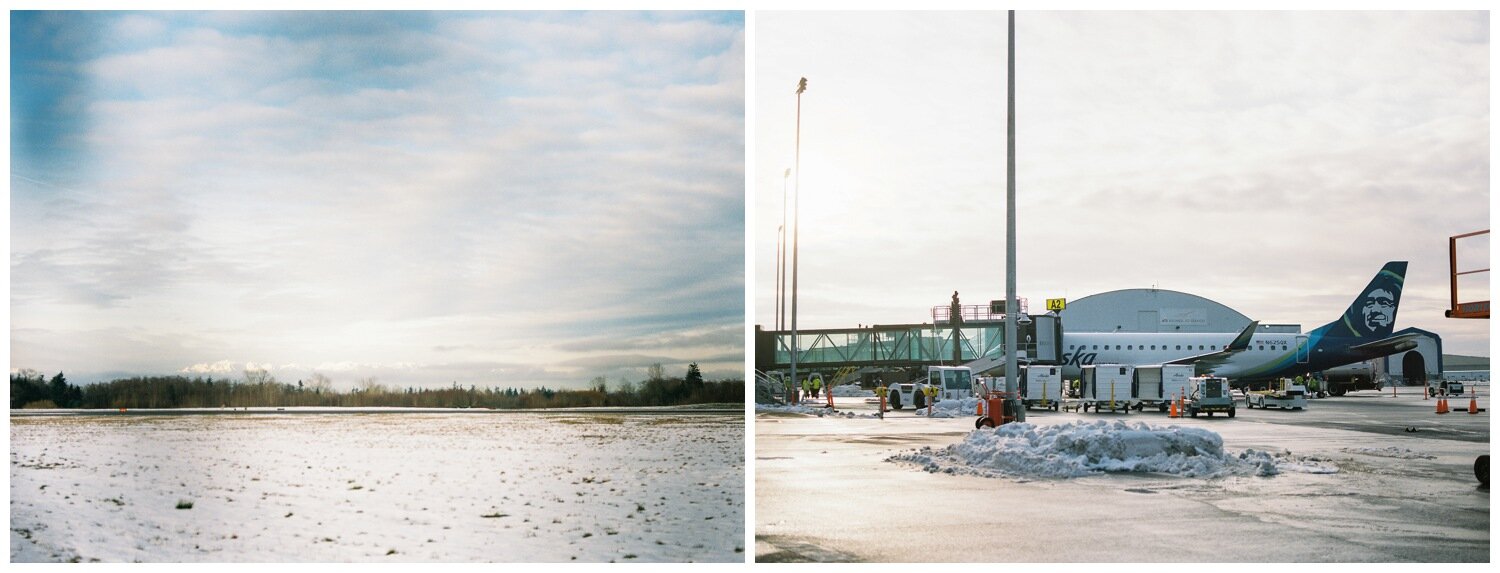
<point>1378,309</point>
<point>1079,358</point>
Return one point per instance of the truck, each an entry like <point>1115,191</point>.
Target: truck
<point>952,382</point>
<point>1041,386</point>
<point>1351,377</point>
<point>1284,393</point>
<point>1209,394</point>
<point>1160,385</point>
<point>1108,386</point>
<point>1441,387</point>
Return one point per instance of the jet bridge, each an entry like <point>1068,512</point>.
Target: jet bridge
<point>973,342</point>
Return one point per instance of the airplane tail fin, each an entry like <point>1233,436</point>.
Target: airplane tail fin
<point>1373,314</point>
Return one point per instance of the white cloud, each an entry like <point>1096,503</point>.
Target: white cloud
<point>1270,161</point>
<point>364,190</point>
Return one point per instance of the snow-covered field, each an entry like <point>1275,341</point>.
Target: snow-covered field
<point>378,487</point>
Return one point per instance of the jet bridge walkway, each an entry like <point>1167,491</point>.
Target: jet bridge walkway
<point>904,345</point>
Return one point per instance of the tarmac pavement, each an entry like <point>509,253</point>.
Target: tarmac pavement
<point>824,492</point>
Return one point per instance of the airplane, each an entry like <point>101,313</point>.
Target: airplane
<point>1362,333</point>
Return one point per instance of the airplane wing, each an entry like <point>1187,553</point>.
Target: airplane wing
<point>1204,363</point>
<point>1386,346</point>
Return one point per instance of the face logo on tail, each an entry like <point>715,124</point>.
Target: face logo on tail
<point>1372,314</point>
<point>1379,309</point>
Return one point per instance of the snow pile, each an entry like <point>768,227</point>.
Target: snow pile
<point>819,411</point>
<point>1085,448</point>
<point>951,408</point>
<point>789,409</point>
<point>1391,452</point>
<point>851,391</point>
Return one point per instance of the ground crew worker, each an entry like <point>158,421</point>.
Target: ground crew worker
<point>807,388</point>
<point>817,386</point>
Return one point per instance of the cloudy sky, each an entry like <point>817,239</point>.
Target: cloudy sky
<point>487,198</point>
<point>1270,161</point>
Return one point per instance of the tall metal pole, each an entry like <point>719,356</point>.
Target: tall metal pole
<point>780,247</point>
<point>796,224</point>
<point>1011,312</point>
<point>781,258</point>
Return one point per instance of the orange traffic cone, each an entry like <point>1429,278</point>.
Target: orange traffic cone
<point>1173,412</point>
<point>1473,405</point>
<point>1442,405</point>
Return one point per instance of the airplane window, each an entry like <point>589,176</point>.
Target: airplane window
<point>1096,347</point>
<point>1130,347</point>
<point>1179,347</point>
<point>1153,347</point>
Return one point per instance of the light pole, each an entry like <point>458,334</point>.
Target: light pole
<point>1010,220</point>
<point>781,258</point>
<point>796,224</point>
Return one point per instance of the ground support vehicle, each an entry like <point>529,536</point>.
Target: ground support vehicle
<point>1283,393</point>
<point>1108,387</point>
<point>1209,394</point>
<point>1159,385</point>
<point>1349,378</point>
<point>1041,386</point>
<point>1445,388</point>
<point>952,382</point>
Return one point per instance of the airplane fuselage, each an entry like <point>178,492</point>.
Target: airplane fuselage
<point>1269,355</point>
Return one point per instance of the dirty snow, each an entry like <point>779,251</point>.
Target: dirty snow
<point>790,409</point>
<point>851,391</point>
<point>1390,452</point>
<point>819,411</point>
<point>951,408</point>
<point>378,487</point>
<point>1086,448</point>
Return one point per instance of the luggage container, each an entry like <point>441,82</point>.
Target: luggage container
<point>1041,386</point>
<point>1159,385</point>
<point>1108,387</point>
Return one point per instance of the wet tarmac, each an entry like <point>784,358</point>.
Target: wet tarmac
<point>824,492</point>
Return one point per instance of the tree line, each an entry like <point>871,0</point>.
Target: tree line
<point>29,389</point>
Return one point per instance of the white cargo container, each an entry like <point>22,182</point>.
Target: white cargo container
<point>1108,387</point>
<point>1159,385</point>
<point>1041,386</point>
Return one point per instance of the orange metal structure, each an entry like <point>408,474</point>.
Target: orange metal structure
<point>1456,309</point>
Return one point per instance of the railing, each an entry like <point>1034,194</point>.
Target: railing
<point>973,312</point>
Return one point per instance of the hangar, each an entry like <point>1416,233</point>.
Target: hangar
<point>1155,310</point>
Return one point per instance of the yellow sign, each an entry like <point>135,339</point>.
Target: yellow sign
<point>1057,303</point>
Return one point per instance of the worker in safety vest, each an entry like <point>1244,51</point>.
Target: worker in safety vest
<point>807,388</point>
<point>817,386</point>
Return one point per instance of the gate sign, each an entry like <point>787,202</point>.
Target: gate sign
<point>1057,303</point>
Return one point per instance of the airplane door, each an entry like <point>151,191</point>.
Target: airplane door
<point>1301,349</point>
